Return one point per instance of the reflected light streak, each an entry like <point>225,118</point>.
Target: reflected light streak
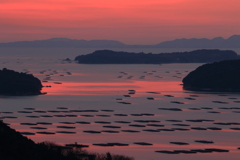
<point>73,88</point>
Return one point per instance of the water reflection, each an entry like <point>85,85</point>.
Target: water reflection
<point>82,88</point>
<point>97,90</point>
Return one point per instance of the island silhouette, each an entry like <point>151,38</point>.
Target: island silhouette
<point>13,83</point>
<point>120,57</point>
<point>223,76</point>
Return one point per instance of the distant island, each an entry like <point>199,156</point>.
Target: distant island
<point>116,57</point>
<point>13,83</point>
<point>218,42</point>
<point>221,76</point>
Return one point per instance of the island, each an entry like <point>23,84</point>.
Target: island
<point>13,83</point>
<point>120,57</point>
<point>223,76</point>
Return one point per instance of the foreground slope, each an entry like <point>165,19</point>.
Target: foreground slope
<point>14,146</point>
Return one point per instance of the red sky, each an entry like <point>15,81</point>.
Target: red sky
<point>128,21</point>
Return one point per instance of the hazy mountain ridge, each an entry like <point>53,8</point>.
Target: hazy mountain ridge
<point>65,42</point>
<point>218,42</point>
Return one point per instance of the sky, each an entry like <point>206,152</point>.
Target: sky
<point>128,21</point>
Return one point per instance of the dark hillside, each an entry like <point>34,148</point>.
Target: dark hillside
<point>18,84</point>
<point>14,146</point>
<point>218,76</point>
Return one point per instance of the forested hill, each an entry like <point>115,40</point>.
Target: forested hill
<point>13,83</point>
<point>223,76</point>
<point>196,56</point>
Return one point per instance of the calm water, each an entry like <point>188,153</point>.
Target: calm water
<point>91,93</point>
<point>63,53</point>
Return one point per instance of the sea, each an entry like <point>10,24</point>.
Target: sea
<point>138,110</point>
